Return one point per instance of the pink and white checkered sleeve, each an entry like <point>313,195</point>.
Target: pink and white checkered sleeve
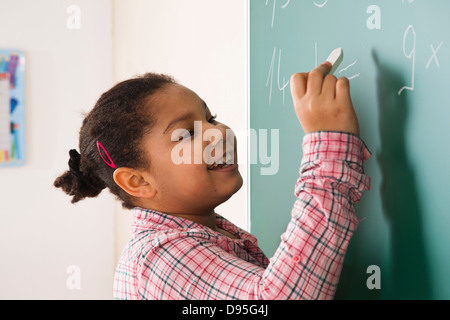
<point>308,262</point>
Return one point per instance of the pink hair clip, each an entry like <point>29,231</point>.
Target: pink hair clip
<point>110,163</point>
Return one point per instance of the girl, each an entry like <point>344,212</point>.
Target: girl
<point>181,248</point>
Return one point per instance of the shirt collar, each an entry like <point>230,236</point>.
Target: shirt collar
<point>149,219</point>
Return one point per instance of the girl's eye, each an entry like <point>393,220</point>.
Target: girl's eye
<point>186,136</point>
<point>212,119</point>
<point>192,132</point>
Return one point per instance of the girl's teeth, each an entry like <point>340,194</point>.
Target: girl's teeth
<point>224,164</point>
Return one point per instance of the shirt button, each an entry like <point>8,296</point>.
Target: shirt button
<point>296,258</point>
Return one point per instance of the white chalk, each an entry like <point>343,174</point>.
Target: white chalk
<point>335,58</point>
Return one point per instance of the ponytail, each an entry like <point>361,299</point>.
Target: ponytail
<point>75,183</point>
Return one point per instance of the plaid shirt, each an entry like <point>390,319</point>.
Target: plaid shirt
<point>174,258</point>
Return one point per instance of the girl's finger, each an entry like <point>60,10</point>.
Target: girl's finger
<point>298,85</point>
<point>329,86</point>
<point>316,76</point>
<point>343,89</point>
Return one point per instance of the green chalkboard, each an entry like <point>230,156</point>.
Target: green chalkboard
<point>397,57</point>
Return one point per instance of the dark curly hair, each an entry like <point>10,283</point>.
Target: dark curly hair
<point>119,120</point>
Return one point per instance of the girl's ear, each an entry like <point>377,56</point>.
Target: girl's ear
<point>133,183</point>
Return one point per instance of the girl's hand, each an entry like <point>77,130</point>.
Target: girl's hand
<point>322,102</point>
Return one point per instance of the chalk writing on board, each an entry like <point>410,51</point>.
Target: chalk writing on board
<point>270,76</point>
<point>350,65</point>
<point>411,55</point>
<point>434,55</point>
<point>321,4</point>
<point>347,67</point>
<point>275,8</point>
<point>286,4</point>
<point>354,76</point>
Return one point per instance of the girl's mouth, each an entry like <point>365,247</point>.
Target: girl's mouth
<point>224,167</point>
<point>226,163</point>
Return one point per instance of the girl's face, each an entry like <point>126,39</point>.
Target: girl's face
<point>181,149</point>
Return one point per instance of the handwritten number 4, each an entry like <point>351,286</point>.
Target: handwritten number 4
<point>270,76</point>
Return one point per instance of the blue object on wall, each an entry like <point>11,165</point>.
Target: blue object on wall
<point>12,108</point>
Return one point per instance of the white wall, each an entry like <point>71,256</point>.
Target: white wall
<point>202,43</point>
<point>41,233</point>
